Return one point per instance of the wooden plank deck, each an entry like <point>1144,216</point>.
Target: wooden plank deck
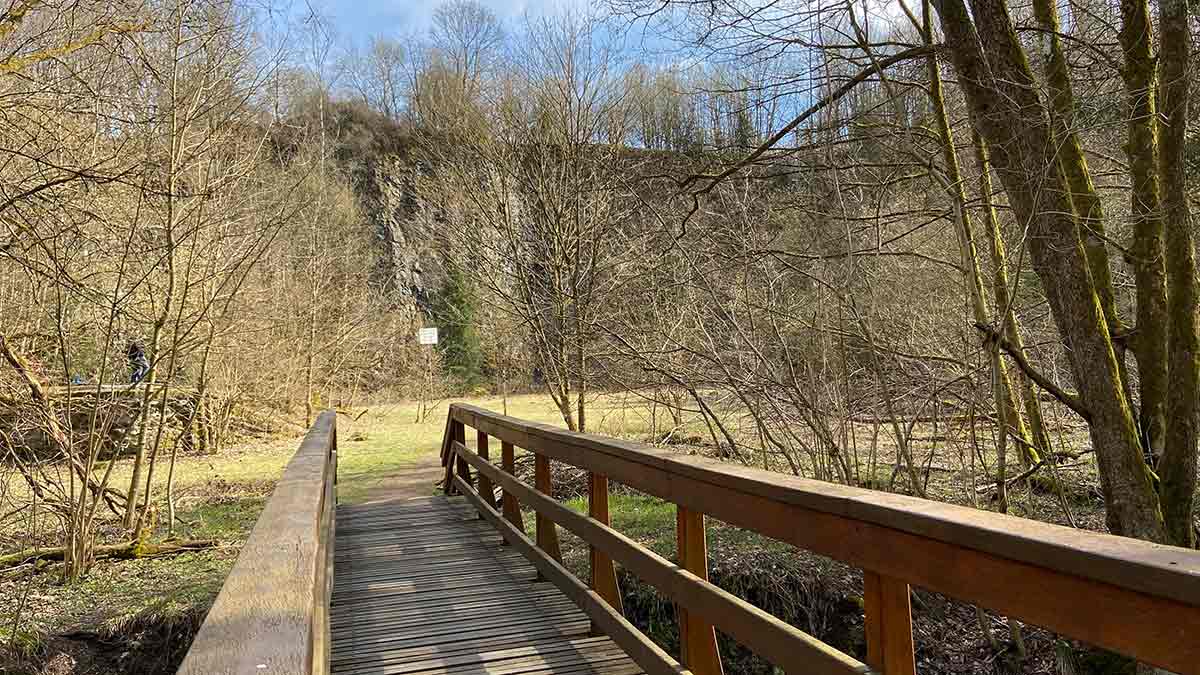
<point>423,586</point>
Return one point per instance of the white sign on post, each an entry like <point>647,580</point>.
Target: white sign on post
<point>427,336</point>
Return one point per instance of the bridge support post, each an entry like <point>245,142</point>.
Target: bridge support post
<point>462,468</point>
<point>547,536</point>
<point>512,507</point>
<point>604,573</point>
<point>888,622</point>
<point>486,489</point>
<point>697,637</point>
<point>455,432</point>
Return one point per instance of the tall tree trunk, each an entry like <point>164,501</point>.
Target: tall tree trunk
<point>1006,406</point>
<point>1072,160</point>
<point>161,320</point>
<point>1004,107</point>
<point>1150,337</point>
<point>1177,466</point>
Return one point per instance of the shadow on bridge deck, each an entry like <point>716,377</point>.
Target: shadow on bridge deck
<point>423,586</point>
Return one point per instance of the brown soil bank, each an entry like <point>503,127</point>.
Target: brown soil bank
<point>152,642</point>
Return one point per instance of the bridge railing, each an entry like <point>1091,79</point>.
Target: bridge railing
<point>272,614</point>
<point>1132,597</point>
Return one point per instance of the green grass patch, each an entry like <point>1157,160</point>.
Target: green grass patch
<point>647,520</point>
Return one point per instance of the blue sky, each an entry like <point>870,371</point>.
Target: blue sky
<point>355,20</point>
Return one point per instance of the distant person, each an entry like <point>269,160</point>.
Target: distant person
<point>139,366</point>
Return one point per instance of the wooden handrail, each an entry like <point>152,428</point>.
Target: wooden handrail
<point>272,614</point>
<point>1130,596</point>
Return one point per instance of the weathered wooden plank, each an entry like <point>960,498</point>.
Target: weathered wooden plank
<point>466,648</point>
<point>647,654</point>
<point>563,655</point>
<point>434,590</point>
<point>399,606</point>
<point>403,542</point>
<point>410,505</point>
<point>462,645</point>
<point>582,663</point>
<point>264,618</point>
<point>378,576</point>
<point>382,543</point>
<point>393,640</point>
<point>1145,598</point>
<point>322,644</point>
<point>428,551</point>
<point>398,612</point>
<point>412,522</point>
<point>367,520</point>
<point>429,615</point>
<point>455,569</point>
<point>348,600</point>
<point>430,626</point>
<point>513,656</point>
<point>379,573</point>
<point>437,596</point>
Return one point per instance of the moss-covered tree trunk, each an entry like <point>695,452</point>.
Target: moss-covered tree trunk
<point>1177,466</point>
<point>1005,107</point>
<point>1150,337</point>
<point>1071,159</point>
<point>1006,405</point>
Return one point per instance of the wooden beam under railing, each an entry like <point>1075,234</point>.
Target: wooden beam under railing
<point>272,612</point>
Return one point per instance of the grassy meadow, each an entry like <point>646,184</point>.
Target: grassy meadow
<point>219,497</point>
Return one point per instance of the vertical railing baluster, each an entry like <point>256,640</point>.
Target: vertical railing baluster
<point>512,507</point>
<point>453,430</point>
<point>462,468</point>
<point>604,574</point>
<point>547,535</point>
<point>888,624</point>
<point>697,637</point>
<point>486,489</point>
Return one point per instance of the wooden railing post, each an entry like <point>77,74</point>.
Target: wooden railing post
<point>512,507</point>
<point>604,574</point>
<point>463,469</point>
<point>888,622</point>
<point>547,535</point>
<point>453,429</point>
<point>269,580</point>
<point>486,489</point>
<point>697,637</point>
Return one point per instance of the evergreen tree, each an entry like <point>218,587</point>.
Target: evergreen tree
<point>454,311</point>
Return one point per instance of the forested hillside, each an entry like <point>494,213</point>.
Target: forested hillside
<point>940,248</point>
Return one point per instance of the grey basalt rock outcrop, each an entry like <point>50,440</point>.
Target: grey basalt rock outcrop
<point>386,186</point>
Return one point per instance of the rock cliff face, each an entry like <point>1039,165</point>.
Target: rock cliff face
<point>408,261</point>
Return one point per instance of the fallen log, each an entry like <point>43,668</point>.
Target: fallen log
<point>129,550</point>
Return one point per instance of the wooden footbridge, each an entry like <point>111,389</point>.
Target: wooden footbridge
<point>456,584</point>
